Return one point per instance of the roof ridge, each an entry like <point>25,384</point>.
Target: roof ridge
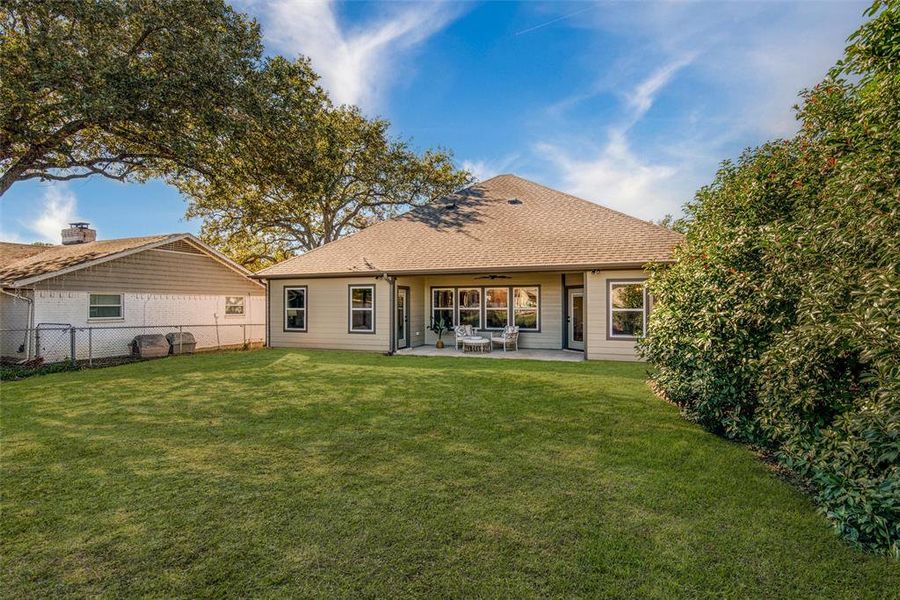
<point>594,204</point>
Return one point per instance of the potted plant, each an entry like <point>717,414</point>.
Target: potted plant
<point>439,327</point>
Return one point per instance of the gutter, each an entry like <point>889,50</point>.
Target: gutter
<point>472,270</point>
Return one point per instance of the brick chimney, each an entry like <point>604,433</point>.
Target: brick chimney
<point>78,233</point>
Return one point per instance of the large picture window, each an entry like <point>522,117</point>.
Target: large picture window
<point>105,306</point>
<point>470,307</point>
<point>362,309</point>
<point>442,306</point>
<point>295,309</point>
<point>627,309</point>
<point>525,308</point>
<point>496,307</point>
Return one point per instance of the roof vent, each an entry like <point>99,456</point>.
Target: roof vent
<point>514,201</point>
<point>78,233</point>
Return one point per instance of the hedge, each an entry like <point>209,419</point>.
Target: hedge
<point>779,323</point>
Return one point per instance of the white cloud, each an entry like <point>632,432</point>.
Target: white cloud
<point>617,178</point>
<point>746,63</point>
<point>485,169</point>
<point>359,65</point>
<point>641,98</point>
<point>57,211</point>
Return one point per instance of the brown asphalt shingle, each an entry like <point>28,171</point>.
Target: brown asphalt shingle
<point>479,229</point>
<point>17,263</point>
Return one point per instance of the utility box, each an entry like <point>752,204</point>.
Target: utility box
<point>181,343</point>
<point>152,345</point>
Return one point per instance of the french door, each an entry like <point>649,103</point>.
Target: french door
<point>576,319</point>
<point>402,317</point>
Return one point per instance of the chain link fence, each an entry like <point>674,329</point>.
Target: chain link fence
<point>63,344</point>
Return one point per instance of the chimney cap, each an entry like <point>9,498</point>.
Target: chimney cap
<point>80,224</point>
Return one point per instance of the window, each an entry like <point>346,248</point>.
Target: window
<point>105,306</point>
<point>362,309</point>
<point>496,308</point>
<point>234,305</point>
<point>627,309</point>
<point>525,308</point>
<point>442,306</point>
<point>470,307</point>
<point>295,309</point>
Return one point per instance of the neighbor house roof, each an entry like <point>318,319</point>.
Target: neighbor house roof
<point>503,224</point>
<point>22,264</point>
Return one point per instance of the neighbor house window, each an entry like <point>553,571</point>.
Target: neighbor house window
<point>470,307</point>
<point>442,306</point>
<point>496,308</point>
<point>295,309</point>
<point>627,309</point>
<point>105,306</point>
<point>234,305</point>
<point>526,307</point>
<point>362,309</point>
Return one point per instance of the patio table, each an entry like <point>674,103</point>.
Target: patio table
<point>476,344</point>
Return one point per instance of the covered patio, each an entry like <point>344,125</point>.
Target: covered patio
<point>522,353</point>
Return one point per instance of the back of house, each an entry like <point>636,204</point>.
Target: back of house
<point>569,273</point>
<point>105,292</point>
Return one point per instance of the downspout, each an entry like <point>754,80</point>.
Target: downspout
<point>392,341</point>
<point>268,320</point>
<point>30,321</point>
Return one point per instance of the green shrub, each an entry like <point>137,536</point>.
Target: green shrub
<point>779,324</point>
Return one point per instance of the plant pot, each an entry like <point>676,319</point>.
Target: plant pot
<point>439,344</point>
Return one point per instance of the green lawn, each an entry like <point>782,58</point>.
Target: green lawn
<point>290,473</point>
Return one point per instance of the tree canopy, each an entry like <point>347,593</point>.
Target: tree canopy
<point>313,173</point>
<point>127,89</point>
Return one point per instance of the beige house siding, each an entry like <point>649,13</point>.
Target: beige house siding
<point>157,271</point>
<point>327,317</point>
<point>598,347</point>
<point>550,334</point>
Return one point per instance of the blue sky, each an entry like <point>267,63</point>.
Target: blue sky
<point>632,105</point>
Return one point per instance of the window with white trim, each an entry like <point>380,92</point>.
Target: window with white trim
<point>295,308</point>
<point>526,308</point>
<point>627,309</point>
<point>496,307</point>
<point>470,307</point>
<point>362,309</point>
<point>234,306</point>
<point>105,306</point>
<point>442,306</point>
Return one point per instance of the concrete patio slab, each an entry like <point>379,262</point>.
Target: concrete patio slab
<point>522,353</point>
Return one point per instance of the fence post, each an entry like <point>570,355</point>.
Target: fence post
<point>181,339</point>
<point>72,344</point>
<point>244,335</point>
<point>90,346</point>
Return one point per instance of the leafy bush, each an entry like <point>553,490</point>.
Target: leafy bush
<point>779,324</point>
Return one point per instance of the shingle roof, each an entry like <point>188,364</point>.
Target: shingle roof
<point>16,264</point>
<point>504,223</point>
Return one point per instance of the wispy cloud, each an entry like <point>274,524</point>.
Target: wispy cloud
<point>641,98</point>
<point>746,63</point>
<point>357,65</point>
<point>58,207</point>
<point>615,176</point>
<point>485,169</point>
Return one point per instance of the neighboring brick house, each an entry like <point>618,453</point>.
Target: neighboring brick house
<point>508,251</point>
<point>121,285</point>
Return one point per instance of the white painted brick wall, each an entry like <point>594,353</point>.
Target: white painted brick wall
<point>202,315</point>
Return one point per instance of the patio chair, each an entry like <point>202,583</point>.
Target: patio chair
<point>462,331</point>
<point>508,337</point>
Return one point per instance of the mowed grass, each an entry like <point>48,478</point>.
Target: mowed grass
<point>325,474</point>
